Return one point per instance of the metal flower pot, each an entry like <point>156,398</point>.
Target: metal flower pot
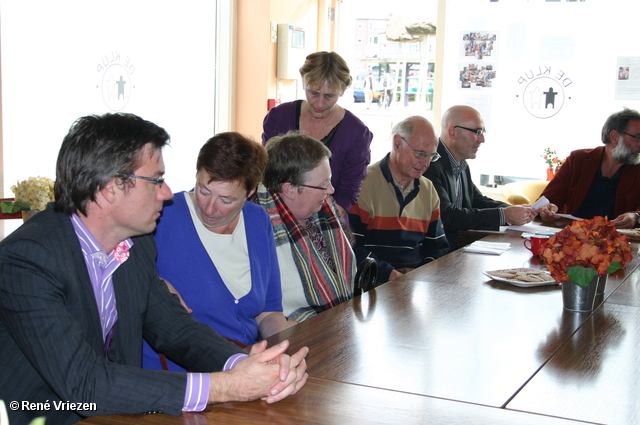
<point>579,299</point>
<point>601,284</point>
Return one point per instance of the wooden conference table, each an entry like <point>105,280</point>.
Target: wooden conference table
<point>445,344</point>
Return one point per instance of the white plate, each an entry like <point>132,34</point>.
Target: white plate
<point>519,283</point>
<point>634,234</point>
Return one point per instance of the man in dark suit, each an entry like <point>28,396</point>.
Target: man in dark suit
<point>462,205</point>
<point>79,291</point>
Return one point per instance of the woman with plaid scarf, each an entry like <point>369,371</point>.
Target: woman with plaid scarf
<point>317,264</point>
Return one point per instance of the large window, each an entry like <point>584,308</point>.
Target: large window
<point>543,74</point>
<point>164,61</point>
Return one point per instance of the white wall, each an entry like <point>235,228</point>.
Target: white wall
<point>56,55</point>
<point>577,42</point>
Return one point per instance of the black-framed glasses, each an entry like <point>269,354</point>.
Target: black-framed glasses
<point>324,189</point>
<point>159,182</point>
<point>479,131</point>
<point>635,136</point>
<point>433,157</point>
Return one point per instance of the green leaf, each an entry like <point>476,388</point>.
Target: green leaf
<point>614,267</point>
<point>581,276</point>
<point>7,207</point>
<point>19,206</point>
<point>38,421</point>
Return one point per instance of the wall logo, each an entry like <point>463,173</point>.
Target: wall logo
<point>116,85</point>
<point>544,92</point>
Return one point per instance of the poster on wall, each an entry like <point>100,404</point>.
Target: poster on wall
<point>479,45</point>
<point>478,58</point>
<point>628,78</point>
<point>477,76</point>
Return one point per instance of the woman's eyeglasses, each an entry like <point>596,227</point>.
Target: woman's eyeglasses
<point>324,189</point>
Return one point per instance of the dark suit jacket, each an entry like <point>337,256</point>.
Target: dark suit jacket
<point>569,188</point>
<point>51,346</point>
<point>478,212</point>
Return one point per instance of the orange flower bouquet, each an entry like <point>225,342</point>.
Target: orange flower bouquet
<point>584,249</point>
<point>552,160</point>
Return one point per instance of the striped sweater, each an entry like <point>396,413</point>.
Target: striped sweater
<point>400,232</point>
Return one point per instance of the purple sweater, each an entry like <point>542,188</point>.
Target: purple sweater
<point>350,152</point>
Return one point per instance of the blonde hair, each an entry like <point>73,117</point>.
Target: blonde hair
<point>325,66</point>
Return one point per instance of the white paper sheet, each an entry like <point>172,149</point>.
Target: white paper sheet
<point>569,216</point>
<point>493,248</point>
<point>534,228</point>
<point>541,202</point>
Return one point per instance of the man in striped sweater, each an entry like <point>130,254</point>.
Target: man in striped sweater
<point>396,218</point>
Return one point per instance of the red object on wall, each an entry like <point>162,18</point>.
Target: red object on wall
<point>272,103</point>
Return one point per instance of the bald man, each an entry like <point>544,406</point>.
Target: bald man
<point>396,218</point>
<point>462,205</point>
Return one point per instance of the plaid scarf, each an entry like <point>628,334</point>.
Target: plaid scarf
<point>324,287</point>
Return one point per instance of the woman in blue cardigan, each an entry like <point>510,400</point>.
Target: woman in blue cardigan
<point>218,251</point>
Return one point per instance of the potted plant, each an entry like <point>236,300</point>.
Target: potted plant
<point>553,162</point>
<point>581,252</point>
<point>31,195</point>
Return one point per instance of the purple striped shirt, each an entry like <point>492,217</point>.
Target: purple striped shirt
<point>101,268</point>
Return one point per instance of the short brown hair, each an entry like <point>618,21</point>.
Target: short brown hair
<point>231,156</point>
<point>290,157</point>
<point>325,66</point>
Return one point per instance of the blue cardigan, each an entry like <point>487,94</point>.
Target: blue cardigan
<point>184,262</point>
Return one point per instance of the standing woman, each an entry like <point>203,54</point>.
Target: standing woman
<point>325,77</point>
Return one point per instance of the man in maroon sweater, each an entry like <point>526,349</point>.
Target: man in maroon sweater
<point>604,181</point>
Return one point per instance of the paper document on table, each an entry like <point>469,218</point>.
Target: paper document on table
<point>494,248</point>
<point>569,216</point>
<point>501,230</point>
<point>535,228</point>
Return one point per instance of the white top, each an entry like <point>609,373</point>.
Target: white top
<point>292,291</point>
<point>229,253</point>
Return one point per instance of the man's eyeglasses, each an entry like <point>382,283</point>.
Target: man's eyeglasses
<point>433,157</point>
<point>635,136</point>
<point>324,189</point>
<point>479,131</point>
<point>159,182</point>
